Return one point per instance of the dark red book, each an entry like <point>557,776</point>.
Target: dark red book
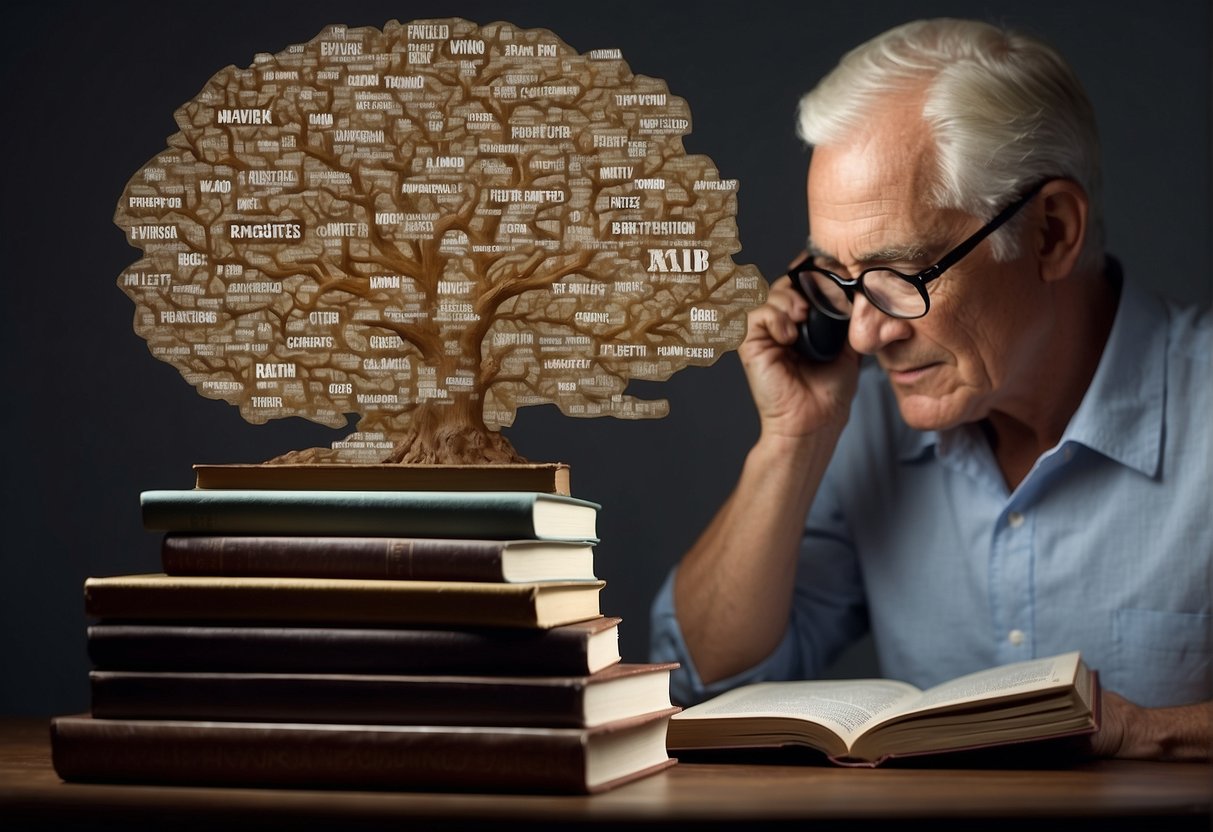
<point>574,649</point>
<point>552,477</point>
<point>571,760</point>
<point>393,558</point>
<point>619,692</point>
<point>340,601</point>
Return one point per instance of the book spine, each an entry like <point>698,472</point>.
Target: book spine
<point>497,515</point>
<point>501,515</point>
<point>320,601</point>
<point>552,478</point>
<point>386,700</point>
<point>256,754</point>
<point>334,557</point>
<point>555,652</point>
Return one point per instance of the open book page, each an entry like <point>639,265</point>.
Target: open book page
<point>844,707</point>
<point>865,721</point>
<point>994,683</point>
<point>1021,677</point>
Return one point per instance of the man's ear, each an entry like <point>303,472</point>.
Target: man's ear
<point>1062,227</point>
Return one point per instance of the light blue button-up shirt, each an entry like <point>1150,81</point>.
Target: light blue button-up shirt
<point>1105,547</point>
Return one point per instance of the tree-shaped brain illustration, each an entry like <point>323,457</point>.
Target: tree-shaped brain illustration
<point>432,226</point>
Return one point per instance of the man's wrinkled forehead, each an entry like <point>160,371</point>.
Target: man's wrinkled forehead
<point>869,196</point>
<point>862,220</point>
<point>890,159</point>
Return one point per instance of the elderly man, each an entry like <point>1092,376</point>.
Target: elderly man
<point>1025,472</point>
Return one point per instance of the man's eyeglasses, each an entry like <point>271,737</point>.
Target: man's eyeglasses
<point>892,292</point>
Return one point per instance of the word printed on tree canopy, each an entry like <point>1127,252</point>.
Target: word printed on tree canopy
<point>432,226</point>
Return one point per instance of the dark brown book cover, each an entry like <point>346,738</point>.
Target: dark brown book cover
<point>552,478</point>
<point>568,650</point>
<point>568,760</point>
<point>334,600</point>
<point>620,691</point>
<point>394,558</point>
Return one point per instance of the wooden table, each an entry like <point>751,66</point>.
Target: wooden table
<point>767,793</point>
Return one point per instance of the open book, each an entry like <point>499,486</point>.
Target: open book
<point>866,721</point>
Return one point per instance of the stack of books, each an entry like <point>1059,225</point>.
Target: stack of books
<point>366,627</point>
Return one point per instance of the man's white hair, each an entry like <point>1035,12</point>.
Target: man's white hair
<point>1004,109</point>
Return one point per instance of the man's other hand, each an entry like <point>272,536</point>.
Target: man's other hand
<point>1130,731</point>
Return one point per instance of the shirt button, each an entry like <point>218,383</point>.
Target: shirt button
<point>1016,637</point>
<point>1015,520</point>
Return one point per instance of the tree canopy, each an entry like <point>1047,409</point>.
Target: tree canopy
<point>432,226</point>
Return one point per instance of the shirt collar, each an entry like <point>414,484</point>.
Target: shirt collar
<point>913,445</point>
<point>1121,415</point>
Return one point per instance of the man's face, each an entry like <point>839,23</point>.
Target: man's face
<point>979,347</point>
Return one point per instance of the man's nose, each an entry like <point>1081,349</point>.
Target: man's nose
<point>871,330</point>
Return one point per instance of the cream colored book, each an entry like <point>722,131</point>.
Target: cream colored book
<point>867,721</point>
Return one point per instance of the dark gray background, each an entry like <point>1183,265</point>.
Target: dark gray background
<point>91,419</point>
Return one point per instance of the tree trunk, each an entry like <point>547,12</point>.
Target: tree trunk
<point>452,434</point>
<point>437,434</point>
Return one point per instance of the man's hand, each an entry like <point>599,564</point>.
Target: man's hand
<point>794,398</point>
<point>1131,731</point>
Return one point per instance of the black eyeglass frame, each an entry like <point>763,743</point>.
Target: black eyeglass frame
<point>920,280</point>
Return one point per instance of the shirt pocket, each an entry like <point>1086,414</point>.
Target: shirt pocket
<point>1163,657</point>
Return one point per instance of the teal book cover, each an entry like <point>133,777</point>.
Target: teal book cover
<point>498,515</point>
